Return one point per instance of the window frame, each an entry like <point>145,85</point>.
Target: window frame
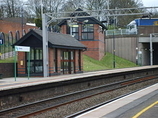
<point>73,32</point>
<point>88,31</point>
<point>34,59</point>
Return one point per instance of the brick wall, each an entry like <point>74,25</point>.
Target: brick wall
<point>51,61</point>
<point>6,26</point>
<point>101,44</point>
<point>7,69</point>
<point>96,47</point>
<point>21,63</point>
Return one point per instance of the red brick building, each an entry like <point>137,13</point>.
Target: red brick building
<point>13,25</point>
<point>65,54</point>
<point>89,31</point>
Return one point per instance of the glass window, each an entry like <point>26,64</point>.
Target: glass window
<point>31,54</point>
<point>40,54</point>
<point>88,32</point>
<point>75,35</point>
<point>74,31</point>
<point>38,67</point>
<point>74,28</point>
<point>36,62</point>
<point>90,35</point>
<point>87,28</point>
<point>37,54</point>
<point>72,55</point>
<point>84,36</point>
<point>66,55</point>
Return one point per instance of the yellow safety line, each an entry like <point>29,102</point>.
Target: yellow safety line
<point>145,109</point>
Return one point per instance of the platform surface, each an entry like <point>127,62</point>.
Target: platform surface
<point>16,82</point>
<point>119,107</point>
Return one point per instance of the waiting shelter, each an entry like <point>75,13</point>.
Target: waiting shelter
<point>64,54</point>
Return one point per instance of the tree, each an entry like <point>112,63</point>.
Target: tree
<point>97,5</point>
<point>11,8</point>
<point>122,21</point>
<point>49,6</point>
<point>38,22</point>
<point>72,5</point>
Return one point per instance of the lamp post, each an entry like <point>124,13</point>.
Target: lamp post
<point>151,50</point>
<point>114,63</point>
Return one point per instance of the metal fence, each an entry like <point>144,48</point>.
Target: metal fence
<point>6,42</point>
<point>116,32</point>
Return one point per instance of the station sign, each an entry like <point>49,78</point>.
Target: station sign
<point>1,41</point>
<point>22,48</point>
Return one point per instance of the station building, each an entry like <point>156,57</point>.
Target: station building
<point>65,54</point>
<point>87,30</point>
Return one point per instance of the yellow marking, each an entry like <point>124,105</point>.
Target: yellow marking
<point>144,110</point>
<point>156,23</point>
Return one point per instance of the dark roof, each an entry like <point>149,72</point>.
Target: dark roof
<point>91,20</point>
<point>56,40</point>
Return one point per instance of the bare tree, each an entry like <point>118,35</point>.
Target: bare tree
<point>122,21</point>
<point>11,8</point>
<point>49,6</point>
<point>72,5</point>
<point>97,5</point>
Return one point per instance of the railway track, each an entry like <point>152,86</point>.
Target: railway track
<point>45,105</point>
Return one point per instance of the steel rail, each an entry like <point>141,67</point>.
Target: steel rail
<point>108,87</point>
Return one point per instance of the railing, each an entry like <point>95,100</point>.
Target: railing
<point>7,55</point>
<point>117,32</point>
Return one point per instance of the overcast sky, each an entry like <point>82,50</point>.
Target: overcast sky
<point>150,3</point>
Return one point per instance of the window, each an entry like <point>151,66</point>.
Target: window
<point>88,32</point>
<point>36,61</point>
<point>67,62</point>
<point>74,31</point>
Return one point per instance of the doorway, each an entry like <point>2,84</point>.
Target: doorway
<point>67,62</point>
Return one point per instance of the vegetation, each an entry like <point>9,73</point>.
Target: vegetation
<point>38,22</point>
<point>90,64</point>
<point>31,9</point>
<point>8,60</point>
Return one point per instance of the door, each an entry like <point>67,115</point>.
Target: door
<point>67,62</point>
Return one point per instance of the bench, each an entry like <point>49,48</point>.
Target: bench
<point>1,76</point>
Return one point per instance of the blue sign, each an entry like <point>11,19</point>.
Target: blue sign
<point>1,41</point>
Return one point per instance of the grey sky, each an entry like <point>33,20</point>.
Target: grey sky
<point>150,3</point>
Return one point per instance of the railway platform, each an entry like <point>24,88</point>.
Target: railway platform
<point>25,81</point>
<point>123,106</point>
<point>78,91</point>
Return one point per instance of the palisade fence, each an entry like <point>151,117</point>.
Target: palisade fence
<point>7,40</point>
<point>116,32</point>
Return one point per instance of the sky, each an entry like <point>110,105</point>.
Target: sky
<point>150,3</point>
<point>147,3</point>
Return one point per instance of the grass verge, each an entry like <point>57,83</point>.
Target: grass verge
<point>107,62</point>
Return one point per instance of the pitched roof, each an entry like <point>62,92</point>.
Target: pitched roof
<point>56,40</point>
<point>91,20</point>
